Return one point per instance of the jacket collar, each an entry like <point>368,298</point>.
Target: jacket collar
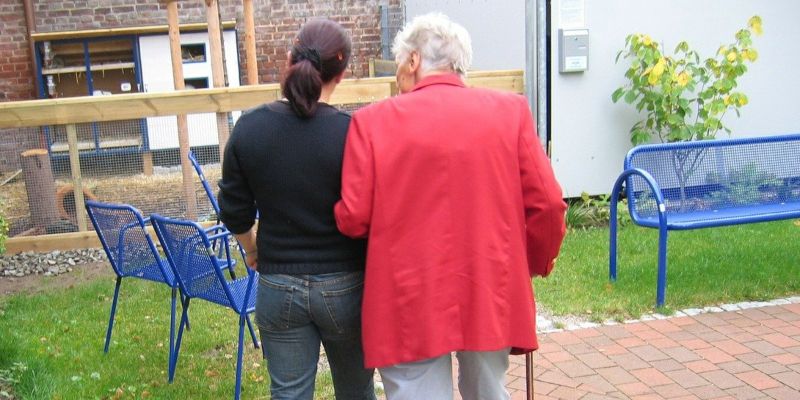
<point>440,79</point>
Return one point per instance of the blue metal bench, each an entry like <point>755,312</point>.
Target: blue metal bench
<point>690,185</point>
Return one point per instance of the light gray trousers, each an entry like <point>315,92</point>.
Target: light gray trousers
<point>481,377</point>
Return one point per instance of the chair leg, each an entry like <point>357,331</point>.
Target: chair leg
<point>239,356</point>
<point>176,351</point>
<point>256,343</point>
<point>188,326</point>
<point>172,331</point>
<point>113,311</point>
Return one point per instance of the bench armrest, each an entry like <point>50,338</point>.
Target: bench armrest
<point>623,177</point>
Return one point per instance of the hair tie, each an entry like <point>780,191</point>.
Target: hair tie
<point>305,53</point>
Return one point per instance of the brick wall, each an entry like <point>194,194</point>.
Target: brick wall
<point>16,77</point>
<point>276,22</point>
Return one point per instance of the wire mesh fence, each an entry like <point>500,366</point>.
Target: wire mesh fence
<point>117,164</point>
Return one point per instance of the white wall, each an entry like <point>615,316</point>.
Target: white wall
<point>157,76</point>
<point>590,133</point>
<point>497,28</point>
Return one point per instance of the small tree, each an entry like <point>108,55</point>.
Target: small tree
<point>683,98</point>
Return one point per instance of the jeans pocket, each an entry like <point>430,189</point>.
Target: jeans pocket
<point>344,307</point>
<point>273,305</point>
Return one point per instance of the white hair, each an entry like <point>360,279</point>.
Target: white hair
<point>442,44</point>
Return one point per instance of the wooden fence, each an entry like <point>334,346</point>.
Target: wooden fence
<point>71,111</point>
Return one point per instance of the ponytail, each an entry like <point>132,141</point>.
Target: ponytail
<point>320,54</point>
<point>302,87</point>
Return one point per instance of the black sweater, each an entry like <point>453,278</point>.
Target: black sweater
<point>289,169</point>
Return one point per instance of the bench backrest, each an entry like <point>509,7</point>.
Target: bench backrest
<point>709,175</point>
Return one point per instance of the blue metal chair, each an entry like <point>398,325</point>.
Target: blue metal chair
<point>131,253</point>
<point>192,257</point>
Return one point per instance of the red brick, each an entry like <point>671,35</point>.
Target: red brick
<point>701,366</point>
<point>758,380</point>
<point>714,355</point>
<point>652,376</point>
<point>731,347</point>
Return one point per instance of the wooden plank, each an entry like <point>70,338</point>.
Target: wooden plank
<point>250,42</point>
<point>65,241</point>
<point>77,181</point>
<point>217,69</point>
<point>137,30</point>
<point>47,243</point>
<point>141,105</point>
<point>183,127</point>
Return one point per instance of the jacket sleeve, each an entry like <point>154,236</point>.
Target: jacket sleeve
<point>544,206</point>
<point>236,201</point>
<point>354,211</point>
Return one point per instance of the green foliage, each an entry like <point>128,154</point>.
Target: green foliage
<point>747,185</point>
<point>683,97</point>
<point>593,211</point>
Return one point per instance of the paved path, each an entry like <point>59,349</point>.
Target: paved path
<point>746,354</point>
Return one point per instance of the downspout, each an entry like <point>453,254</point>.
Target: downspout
<point>30,24</point>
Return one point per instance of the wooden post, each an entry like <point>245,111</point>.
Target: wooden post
<point>529,391</point>
<point>217,67</point>
<point>250,42</point>
<point>41,187</point>
<point>183,127</point>
<point>75,169</point>
<point>147,163</point>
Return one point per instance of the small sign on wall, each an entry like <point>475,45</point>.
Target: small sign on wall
<point>573,50</point>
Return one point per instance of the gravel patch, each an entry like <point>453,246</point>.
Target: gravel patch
<point>47,264</point>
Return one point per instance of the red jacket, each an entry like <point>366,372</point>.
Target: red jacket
<point>461,209</point>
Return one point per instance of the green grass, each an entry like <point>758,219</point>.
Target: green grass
<point>704,267</point>
<point>58,337</point>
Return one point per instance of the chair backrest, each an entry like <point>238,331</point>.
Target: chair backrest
<point>193,259</point>
<point>122,232</point>
<point>704,176</point>
<point>206,186</point>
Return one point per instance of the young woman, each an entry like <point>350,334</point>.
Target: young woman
<point>284,160</point>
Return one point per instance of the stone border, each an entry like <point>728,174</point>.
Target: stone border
<point>545,325</point>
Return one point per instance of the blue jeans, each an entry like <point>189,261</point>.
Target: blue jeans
<point>294,313</point>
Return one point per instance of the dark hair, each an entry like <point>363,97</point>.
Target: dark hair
<point>320,53</point>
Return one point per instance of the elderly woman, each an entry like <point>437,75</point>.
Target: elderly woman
<point>461,208</point>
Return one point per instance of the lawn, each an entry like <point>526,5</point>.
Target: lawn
<point>53,345</point>
<point>704,267</point>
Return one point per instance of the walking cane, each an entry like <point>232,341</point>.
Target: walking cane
<point>529,375</point>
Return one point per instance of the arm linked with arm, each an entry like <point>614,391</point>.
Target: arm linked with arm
<point>544,206</point>
<point>354,211</point>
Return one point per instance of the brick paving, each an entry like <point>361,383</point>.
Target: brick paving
<point>751,353</point>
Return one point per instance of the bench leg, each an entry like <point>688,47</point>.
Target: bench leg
<point>612,248</point>
<point>662,267</point>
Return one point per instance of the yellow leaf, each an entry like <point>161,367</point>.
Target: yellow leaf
<point>731,56</point>
<point>653,78</point>
<point>752,55</point>
<point>683,79</point>
<point>755,24</point>
<point>727,100</point>
<point>797,222</point>
<point>647,40</point>
<point>742,100</point>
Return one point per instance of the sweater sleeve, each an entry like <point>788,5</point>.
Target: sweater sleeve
<point>544,206</point>
<point>354,211</point>
<point>236,200</point>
